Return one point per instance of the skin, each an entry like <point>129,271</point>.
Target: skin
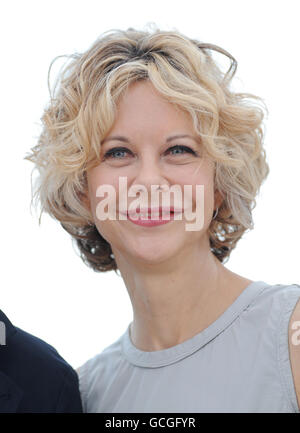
<point>176,285</point>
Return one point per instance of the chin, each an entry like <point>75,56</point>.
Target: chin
<point>153,254</point>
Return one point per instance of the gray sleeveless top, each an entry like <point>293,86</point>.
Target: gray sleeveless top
<point>239,363</point>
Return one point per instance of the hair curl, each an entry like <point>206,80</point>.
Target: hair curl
<point>82,111</point>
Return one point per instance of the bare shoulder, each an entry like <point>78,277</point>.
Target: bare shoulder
<point>294,347</point>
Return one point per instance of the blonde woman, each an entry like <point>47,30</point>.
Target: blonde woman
<point>154,110</point>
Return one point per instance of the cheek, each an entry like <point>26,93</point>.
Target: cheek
<point>203,201</point>
<point>196,184</point>
<point>97,178</point>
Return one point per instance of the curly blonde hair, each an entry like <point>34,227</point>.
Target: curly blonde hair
<point>82,110</point>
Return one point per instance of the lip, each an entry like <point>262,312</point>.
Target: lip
<point>147,221</point>
<point>161,209</point>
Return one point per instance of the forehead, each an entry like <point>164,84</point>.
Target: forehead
<point>142,106</point>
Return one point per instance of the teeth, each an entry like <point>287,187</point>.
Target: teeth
<point>149,215</point>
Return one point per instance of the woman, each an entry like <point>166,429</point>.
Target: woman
<point>153,109</point>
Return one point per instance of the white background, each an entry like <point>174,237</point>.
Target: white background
<point>45,287</point>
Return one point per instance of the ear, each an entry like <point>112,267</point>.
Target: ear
<point>218,199</point>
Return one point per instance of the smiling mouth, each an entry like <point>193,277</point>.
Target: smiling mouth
<point>153,214</point>
<point>147,221</point>
<point>150,216</point>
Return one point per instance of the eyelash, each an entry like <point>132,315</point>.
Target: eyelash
<point>111,152</point>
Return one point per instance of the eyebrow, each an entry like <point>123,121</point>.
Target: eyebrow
<point>172,137</point>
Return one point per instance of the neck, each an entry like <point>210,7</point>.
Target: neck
<point>175,300</point>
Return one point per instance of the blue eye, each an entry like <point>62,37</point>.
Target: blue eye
<point>113,152</point>
<point>184,148</point>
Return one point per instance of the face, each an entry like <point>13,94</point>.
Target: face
<point>148,156</point>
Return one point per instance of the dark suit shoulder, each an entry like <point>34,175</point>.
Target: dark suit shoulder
<point>38,350</point>
<point>47,382</point>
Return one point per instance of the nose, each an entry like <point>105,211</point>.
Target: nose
<point>149,174</point>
